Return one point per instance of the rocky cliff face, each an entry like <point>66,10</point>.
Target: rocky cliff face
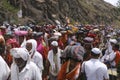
<point>84,11</point>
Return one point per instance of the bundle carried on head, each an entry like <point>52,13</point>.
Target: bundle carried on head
<point>88,40</point>
<point>73,52</point>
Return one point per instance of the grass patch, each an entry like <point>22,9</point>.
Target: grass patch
<point>5,5</point>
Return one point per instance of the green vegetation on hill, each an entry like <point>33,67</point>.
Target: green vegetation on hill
<point>8,7</point>
<point>7,11</point>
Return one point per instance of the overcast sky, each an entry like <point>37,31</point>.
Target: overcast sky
<point>112,1</point>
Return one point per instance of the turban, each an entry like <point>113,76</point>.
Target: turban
<point>12,42</point>
<point>96,30</point>
<point>57,34</point>
<point>108,36</point>
<point>114,41</point>
<point>20,53</point>
<point>88,39</point>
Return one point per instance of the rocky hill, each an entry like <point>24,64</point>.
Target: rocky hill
<point>47,11</point>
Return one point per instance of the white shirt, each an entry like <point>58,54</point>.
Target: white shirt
<point>54,60</point>
<point>29,72</point>
<point>38,60</point>
<point>109,57</point>
<point>4,69</point>
<point>95,70</point>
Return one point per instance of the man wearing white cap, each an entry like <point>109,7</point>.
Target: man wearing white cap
<point>93,68</point>
<point>22,68</point>
<point>54,63</point>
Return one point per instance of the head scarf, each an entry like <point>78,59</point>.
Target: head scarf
<point>34,45</point>
<point>20,53</point>
<point>12,42</point>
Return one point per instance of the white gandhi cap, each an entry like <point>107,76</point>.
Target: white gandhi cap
<point>96,51</point>
<point>54,43</point>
